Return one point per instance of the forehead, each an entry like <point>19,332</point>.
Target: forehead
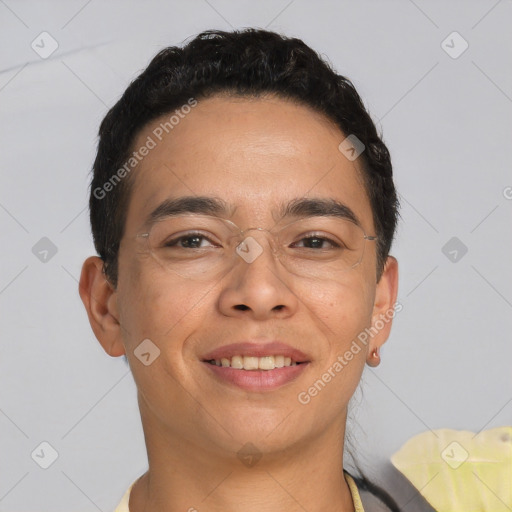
<point>256,154</point>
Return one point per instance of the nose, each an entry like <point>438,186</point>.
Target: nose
<point>258,285</point>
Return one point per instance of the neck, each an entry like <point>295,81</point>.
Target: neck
<point>184,477</point>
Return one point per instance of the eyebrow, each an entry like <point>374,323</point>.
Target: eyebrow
<point>208,205</point>
<point>204,205</point>
<point>318,207</point>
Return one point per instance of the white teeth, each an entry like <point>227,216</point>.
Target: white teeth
<point>237,362</point>
<point>266,363</point>
<point>254,363</point>
<point>250,363</point>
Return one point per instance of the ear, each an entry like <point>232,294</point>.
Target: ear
<point>383,309</point>
<point>100,301</point>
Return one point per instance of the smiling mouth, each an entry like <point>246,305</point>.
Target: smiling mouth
<point>252,363</point>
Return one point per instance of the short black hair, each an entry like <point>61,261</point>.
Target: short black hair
<point>249,62</point>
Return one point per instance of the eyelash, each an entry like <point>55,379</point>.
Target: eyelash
<point>174,241</point>
<point>323,238</point>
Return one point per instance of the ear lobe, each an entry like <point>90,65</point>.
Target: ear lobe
<point>383,309</point>
<point>100,301</point>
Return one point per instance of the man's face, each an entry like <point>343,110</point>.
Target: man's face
<point>255,155</point>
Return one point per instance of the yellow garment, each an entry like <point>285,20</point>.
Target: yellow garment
<point>358,506</point>
<point>460,471</point>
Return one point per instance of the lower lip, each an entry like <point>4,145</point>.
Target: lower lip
<point>257,380</point>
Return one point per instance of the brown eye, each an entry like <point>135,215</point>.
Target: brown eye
<point>317,242</point>
<point>189,241</point>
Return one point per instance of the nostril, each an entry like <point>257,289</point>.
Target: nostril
<point>242,307</point>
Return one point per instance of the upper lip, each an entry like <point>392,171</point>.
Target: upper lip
<point>255,349</point>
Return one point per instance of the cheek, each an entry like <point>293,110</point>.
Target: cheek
<point>157,307</point>
<point>344,308</point>
<point>345,311</point>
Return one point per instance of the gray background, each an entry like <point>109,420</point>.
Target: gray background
<point>447,122</point>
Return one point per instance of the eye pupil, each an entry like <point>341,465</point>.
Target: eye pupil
<point>314,242</point>
<point>196,241</point>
